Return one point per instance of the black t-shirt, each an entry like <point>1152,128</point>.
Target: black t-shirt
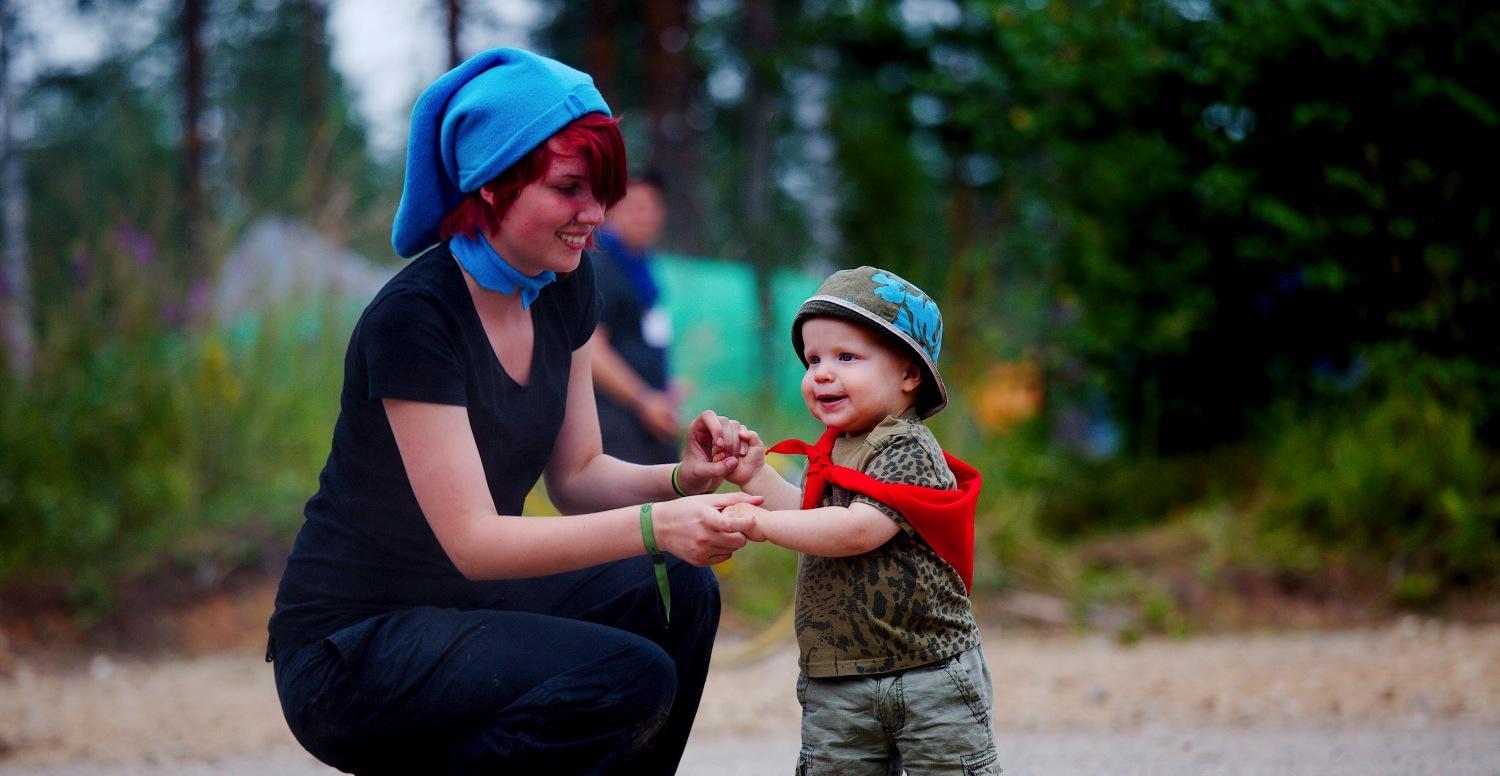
<point>365,547</point>
<point>639,334</point>
<point>624,315</point>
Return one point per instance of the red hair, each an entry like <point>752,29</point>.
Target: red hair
<point>593,136</point>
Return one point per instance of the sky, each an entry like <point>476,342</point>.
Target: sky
<point>386,50</point>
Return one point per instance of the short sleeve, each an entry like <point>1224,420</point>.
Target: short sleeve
<point>584,295</point>
<point>613,295</point>
<point>907,461</point>
<point>412,351</point>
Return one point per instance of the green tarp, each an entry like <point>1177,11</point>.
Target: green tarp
<point>716,353</point>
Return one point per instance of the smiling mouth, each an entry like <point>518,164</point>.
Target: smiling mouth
<point>829,401</point>
<point>575,241</point>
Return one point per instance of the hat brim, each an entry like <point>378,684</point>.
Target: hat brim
<point>932,394</point>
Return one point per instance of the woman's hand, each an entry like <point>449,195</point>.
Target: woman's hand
<point>657,411</point>
<point>714,447</point>
<point>695,530</point>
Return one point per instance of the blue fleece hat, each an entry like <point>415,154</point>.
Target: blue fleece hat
<point>475,121</point>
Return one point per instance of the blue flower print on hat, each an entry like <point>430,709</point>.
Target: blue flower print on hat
<point>917,314</point>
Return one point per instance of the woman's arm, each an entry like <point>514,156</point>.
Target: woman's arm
<point>443,465</point>
<point>581,478</point>
<point>614,378</point>
<point>832,532</point>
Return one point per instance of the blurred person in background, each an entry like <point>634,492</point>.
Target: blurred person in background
<point>422,624</point>
<point>637,407</point>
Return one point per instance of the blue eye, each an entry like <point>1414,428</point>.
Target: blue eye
<point>846,356</point>
<point>813,360</point>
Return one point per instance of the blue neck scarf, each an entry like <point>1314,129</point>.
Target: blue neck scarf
<point>635,264</point>
<point>492,272</point>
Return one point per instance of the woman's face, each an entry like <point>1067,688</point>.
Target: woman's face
<point>551,221</point>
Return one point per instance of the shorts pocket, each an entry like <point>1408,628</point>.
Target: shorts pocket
<point>983,763</point>
<point>964,685</point>
<point>349,642</point>
<point>802,690</point>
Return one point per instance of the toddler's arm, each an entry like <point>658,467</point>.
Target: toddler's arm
<point>759,479</point>
<point>831,532</point>
<point>753,476</point>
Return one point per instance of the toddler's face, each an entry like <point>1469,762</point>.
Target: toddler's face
<point>854,380</point>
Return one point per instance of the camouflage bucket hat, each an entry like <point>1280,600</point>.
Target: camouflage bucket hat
<point>881,300</point>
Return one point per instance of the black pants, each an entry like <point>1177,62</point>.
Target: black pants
<point>571,673</point>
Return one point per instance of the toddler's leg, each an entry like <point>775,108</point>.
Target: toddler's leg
<point>847,727</point>
<point>949,728</point>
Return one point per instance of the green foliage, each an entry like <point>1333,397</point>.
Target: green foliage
<point>1404,478</point>
<point>134,436</point>
<point>105,167</point>
<point>883,199</point>
<point>1316,171</point>
<point>91,597</point>
<point>759,581</point>
<point>119,197</point>
<point>1206,212</point>
<point>1261,233</point>
<point>1228,201</point>
<point>1088,496</point>
<point>293,144</point>
<point>1015,547</point>
<point>144,426</point>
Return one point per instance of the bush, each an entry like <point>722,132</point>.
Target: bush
<point>1404,479</point>
<point>136,433</point>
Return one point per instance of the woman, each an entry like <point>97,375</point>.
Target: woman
<point>421,624</point>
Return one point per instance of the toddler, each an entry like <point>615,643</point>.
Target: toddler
<point>892,675</point>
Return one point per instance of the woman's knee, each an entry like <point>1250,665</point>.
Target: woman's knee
<point>697,588</point>
<point>311,687</point>
<point>642,679</point>
<point>654,683</point>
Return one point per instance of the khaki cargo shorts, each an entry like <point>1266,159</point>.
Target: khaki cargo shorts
<point>929,720</point>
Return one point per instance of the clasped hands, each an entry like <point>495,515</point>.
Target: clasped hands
<point>707,529</point>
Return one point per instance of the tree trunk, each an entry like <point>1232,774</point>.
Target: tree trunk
<point>18,340</point>
<point>314,72</point>
<point>671,94</point>
<point>314,105</point>
<point>760,91</point>
<point>600,56</point>
<point>455,25</point>
<point>192,137</point>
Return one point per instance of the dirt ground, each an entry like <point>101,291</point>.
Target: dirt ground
<point>1408,696</point>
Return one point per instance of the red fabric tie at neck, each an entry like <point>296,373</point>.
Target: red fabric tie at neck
<point>943,518</point>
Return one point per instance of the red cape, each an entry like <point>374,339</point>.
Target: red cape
<point>943,518</point>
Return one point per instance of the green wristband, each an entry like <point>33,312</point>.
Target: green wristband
<point>658,561</point>
<point>677,486</point>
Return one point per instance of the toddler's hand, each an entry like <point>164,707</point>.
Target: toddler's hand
<point>747,512</point>
<point>752,457</point>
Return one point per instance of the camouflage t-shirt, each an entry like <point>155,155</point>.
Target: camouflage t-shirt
<point>898,606</point>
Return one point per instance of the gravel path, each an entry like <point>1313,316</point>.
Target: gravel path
<point>1411,698</point>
